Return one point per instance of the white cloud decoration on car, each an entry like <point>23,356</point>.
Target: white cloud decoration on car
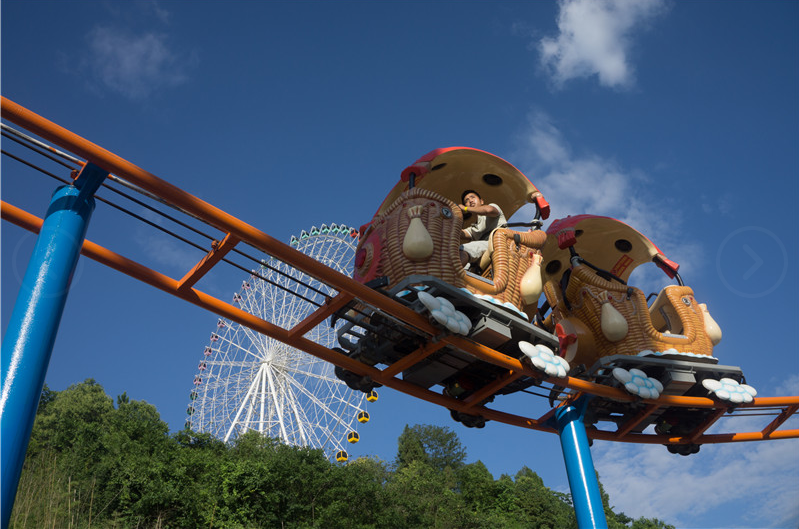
<point>729,389</point>
<point>442,311</point>
<point>638,383</point>
<point>544,359</point>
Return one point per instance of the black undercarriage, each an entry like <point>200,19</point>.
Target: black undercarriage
<point>377,339</point>
<point>679,376</point>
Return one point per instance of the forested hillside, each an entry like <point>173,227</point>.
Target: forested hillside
<point>95,463</point>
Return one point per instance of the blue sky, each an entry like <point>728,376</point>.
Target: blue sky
<point>681,118</point>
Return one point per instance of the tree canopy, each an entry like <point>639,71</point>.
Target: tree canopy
<point>96,462</point>
<point>435,446</point>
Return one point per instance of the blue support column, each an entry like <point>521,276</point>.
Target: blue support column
<point>579,466</point>
<point>34,321</point>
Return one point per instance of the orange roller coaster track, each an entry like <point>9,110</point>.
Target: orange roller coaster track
<point>237,231</point>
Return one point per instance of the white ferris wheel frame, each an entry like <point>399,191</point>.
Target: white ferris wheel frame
<point>248,381</point>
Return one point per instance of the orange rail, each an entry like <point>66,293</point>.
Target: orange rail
<point>217,253</point>
<point>237,230</point>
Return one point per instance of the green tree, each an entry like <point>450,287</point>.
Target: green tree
<point>93,464</point>
<point>436,446</point>
<point>196,475</point>
<point>354,497</point>
<point>267,484</point>
<point>506,501</point>
<point>476,484</point>
<point>542,508</point>
<point>45,399</point>
<point>137,453</point>
<point>57,481</point>
<point>421,496</point>
<point>650,523</point>
<point>73,418</point>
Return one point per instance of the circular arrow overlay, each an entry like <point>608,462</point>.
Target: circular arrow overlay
<point>752,262</point>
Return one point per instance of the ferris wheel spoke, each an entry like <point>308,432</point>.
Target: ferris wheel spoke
<point>231,343</point>
<point>259,341</point>
<point>241,408</point>
<point>307,436</point>
<point>245,424</point>
<point>300,416</point>
<point>327,259</point>
<point>319,404</point>
<point>311,374</point>
<point>262,418</point>
<point>228,363</point>
<point>252,409</point>
<point>278,405</point>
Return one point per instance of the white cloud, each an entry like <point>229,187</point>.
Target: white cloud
<point>588,183</point>
<point>577,184</point>
<point>721,204</point>
<point>154,8</point>
<point>168,251</point>
<point>164,249</point>
<point>595,39</point>
<point>789,387</point>
<point>135,65</point>
<point>755,481</point>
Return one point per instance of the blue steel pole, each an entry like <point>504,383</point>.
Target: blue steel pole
<point>579,466</point>
<point>32,329</point>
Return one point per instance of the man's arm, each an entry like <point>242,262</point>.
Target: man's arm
<point>487,210</point>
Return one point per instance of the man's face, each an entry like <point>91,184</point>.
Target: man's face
<point>472,200</point>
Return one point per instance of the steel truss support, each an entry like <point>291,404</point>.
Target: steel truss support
<point>583,483</point>
<point>32,329</point>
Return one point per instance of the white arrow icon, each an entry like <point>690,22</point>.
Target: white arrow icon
<point>758,262</point>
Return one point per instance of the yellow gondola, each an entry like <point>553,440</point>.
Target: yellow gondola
<point>341,456</point>
<point>363,417</point>
<point>372,396</point>
<point>353,437</point>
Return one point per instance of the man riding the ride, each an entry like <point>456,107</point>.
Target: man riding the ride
<point>489,217</point>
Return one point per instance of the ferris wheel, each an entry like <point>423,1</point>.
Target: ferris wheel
<point>248,381</point>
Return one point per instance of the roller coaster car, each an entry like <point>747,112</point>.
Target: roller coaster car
<point>410,252</point>
<point>608,333</point>
<point>595,313</point>
<point>591,318</point>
